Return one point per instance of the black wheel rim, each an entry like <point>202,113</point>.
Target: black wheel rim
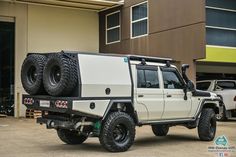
<point>32,75</point>
<point>55,75</point>
<point>120,133</point>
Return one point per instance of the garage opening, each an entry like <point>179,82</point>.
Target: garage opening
<point>215,76</point>
<point>7,36</point>
<point>216,71</point>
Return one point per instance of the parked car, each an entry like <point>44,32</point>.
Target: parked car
<point>106,96</point>
<point>226,90</point>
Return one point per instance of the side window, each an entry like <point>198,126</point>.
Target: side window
<point>148,78</point>
<point>139,20</point>
<point>172,80</point>
<point>141,79</point>
<point>203,85</point>
<point>226,84</point>
<point>113,27</point>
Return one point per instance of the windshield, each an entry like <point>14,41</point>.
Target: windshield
<point>203,85</point>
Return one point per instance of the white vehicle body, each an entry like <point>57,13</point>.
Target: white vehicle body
<point>101,72</point>
<point>106,96</point>
<point>226,89</point>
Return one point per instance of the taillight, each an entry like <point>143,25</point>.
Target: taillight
<point>28,101</point>
<point>235,98</point>
<point>61,104</point>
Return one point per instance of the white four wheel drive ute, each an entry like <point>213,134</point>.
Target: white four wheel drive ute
<point>83,95</point>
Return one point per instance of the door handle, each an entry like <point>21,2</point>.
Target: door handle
<point>168,95</point>
<point>140,96</point>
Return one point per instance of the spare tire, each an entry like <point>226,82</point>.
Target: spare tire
<point>60,75</point>
<point>32,74</point>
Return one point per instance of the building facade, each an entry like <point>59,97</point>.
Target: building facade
<point>220,61</point>
<point>163,28</point>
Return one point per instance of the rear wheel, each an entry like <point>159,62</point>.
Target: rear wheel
<point>71,137</point>
<point>118,132</point>
<point>160,130</point>
<point>60,75</point>
<point>207,125</point>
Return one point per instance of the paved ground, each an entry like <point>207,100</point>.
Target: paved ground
<point>24,138</point>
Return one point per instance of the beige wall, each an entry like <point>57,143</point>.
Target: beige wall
<point>47,29</point>
<point>55,29</point>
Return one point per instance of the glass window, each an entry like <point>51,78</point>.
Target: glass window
<point>148,79</point>
<point>139,11</point>
<point>226,84</point>
<point>220,18</point>
<point>113,20</point>
<point>203,85</point>
<point>227,4</point>
<point>139,21</point>
<point>171,80</point>
<point>220,37</point>
<point>141,79</point>
<point>151,77</point>
<point>113,27</point>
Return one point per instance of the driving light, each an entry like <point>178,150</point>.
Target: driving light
<point>28,101</point>
<point>61,104</point>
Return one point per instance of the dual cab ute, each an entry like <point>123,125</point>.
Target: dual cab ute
<point>107,96</point>
<point>226,90</point>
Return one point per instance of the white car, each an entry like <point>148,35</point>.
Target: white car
<point>226,90</point>
<point>106,96</point>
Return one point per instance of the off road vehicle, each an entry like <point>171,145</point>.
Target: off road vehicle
<point>85,95</point>
<point>226,90</point>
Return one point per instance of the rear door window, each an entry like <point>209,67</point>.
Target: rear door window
<point>147,78</point>
<point>203,85</point>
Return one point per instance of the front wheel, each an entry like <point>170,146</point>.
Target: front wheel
<point>71,137</point>
<point>118,132</point>
<point>207,125</point>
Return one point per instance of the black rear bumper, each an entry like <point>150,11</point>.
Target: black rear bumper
<point>52,107</point>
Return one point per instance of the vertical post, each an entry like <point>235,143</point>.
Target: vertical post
<point>0,64</point>
<point>18,105</point>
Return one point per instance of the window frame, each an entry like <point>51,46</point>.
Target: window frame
<point>151,68</point>
<point>118,26</point>
<point>135,21</point>
<point>174,70</point>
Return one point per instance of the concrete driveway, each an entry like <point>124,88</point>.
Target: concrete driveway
<point>25,138</point>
